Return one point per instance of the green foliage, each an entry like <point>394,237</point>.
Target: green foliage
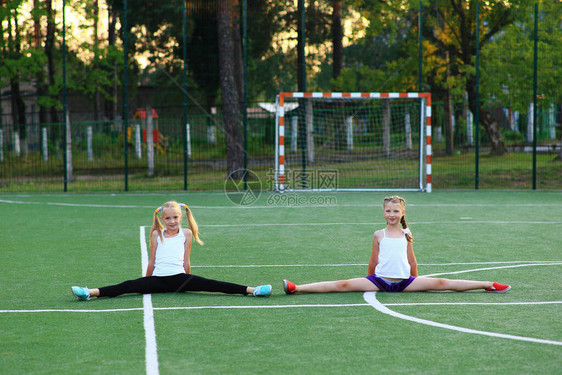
<point>24,66</point>
<point>95,75</point>
<point>19,59</point>
<point>507,73</point>
<point>360,79</point>
<point>384,60</point>
<point>273,76</point>
<point>512,136</point>
<point>163,42</point>
<point>395,76</point>
<point>388,18</point>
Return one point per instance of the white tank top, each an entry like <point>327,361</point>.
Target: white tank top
<point>393,258</point>
<point>169,255</point>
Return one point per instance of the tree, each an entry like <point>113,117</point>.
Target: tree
<point>226,14</point>
<point>508,73</point>
<point>453,29</point>
<point>337,36</point>
<point>449,31</point>
<point>94,75</point>
<point>20,61</point>
<point>12,61</point>
<point>50,100</point>
<point>382,60</point>
<point>111,105</point>
<point>41,83</point>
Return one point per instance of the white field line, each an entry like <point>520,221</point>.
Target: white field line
<point>151,352</point>
<point>250,307</point>
<point>74,204</point>
<point>463,222</point>
<point>527,264</point>
<point>208,307</point>
<point>535,262</point>
<point>471,303</point>
<point>74,310</point>
<point>370,297</point>
<point>238,207</point>
<point>494,268</point>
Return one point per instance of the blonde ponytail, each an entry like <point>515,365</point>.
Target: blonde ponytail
<point>409,236</point>
<point>156,224</point>
<point>192,224</point>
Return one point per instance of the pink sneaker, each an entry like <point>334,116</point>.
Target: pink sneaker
<point>289,287</point>
<point>499,288</point>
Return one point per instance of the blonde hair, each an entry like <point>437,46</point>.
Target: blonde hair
<point>191,224</point>
<point>402,202</point>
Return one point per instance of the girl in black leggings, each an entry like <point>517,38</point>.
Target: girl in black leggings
<point>169,267</point>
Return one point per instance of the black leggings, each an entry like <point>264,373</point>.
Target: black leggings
<point>182,282</point>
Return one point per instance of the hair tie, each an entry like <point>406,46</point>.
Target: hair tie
<point>158,210</point>
<point>183,205</point>
<point>407,231</point>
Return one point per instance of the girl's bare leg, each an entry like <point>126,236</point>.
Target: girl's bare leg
<point>94,292</point>
<point>352,285</point>
<point>421,284</point>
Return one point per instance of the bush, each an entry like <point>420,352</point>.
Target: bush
<point>512,136</point>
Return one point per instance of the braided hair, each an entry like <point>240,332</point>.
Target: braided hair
<point>402,202</point>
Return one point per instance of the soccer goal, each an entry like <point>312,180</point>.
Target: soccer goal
<point>353,141</point>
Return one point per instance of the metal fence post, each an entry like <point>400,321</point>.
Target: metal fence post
<point>535,122</point>
<point>150,141</point>
<point>125,97</point>
<point>477,110</point>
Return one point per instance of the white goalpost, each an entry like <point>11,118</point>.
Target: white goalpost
<point>353,141</point>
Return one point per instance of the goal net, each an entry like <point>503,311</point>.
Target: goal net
<point>353,141</point>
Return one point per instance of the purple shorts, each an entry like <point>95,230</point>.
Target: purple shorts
<point>392,286</point>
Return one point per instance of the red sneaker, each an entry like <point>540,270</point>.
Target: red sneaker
<point>289,287</point>
<point>499,288</point>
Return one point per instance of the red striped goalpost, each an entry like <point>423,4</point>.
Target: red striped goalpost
<point>352,141</point>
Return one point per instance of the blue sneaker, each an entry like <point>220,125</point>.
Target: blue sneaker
<point>83,294</point>
<point>262,291</point>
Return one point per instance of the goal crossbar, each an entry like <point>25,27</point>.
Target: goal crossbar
<point>425,152</point>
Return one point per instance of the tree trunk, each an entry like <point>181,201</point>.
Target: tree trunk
<point>97,99</point>
<point>559,156</point>
<point>449,131</point>
<point>337,35</point>
<point>467,52</point>
<point>51,68</point>
<point>40,79</point>
<point>18,108</point>
<point>449,114</point>
<point>111,109</point>
<point>494,132</point>
<point>229,92</point>
<point>558,120</point>
<point>17,103</point>
<point>301,58</point>
<point>487,120</point>
<point>237,50</point>
<point>386,128</point>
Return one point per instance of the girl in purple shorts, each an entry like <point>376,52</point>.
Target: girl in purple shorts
<point>393,266</point>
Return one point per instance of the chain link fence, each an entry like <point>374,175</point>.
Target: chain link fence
<point>156,149</point>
